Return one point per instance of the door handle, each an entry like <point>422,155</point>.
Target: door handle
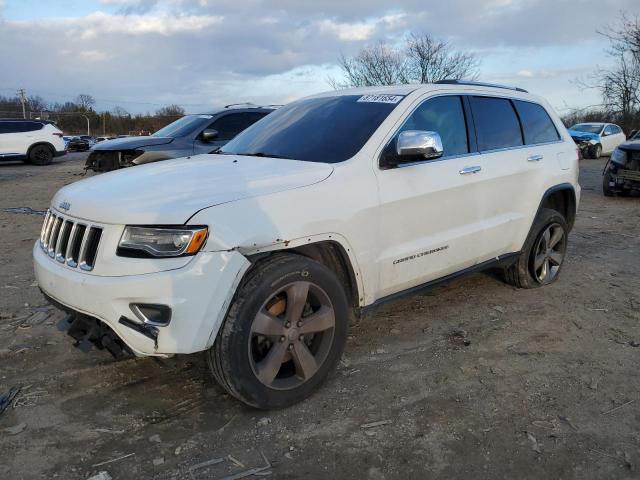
<point>468,170</point>
<point>535,158</point>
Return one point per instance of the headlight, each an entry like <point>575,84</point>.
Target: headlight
<point>161,241</point>
<point>619,156</point>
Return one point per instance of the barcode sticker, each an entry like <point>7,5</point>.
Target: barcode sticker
<point>381,98</point>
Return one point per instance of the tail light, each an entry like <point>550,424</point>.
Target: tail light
<point>58,134</point>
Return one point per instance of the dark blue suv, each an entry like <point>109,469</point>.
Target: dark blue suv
<point>189,135</point>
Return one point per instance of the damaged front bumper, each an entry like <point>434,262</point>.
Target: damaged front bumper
<point>198,296</point>
<point>622,171</point>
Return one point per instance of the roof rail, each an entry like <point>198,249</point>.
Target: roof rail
<point>480,84</point>
<point>241,103</point>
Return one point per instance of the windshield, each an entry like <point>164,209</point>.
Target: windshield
<point>325,129</point>
<point>583,127</point>
<point>182,126</point>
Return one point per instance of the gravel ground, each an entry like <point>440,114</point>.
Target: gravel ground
<point>475,379</point>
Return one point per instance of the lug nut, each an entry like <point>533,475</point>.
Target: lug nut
<point>301,337</point>
<point>282,339</point>
<point>291,346</point>
<point>287,325</point>
<point>299,324</point>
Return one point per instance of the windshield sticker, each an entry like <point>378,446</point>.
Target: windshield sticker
<point>381,98</point>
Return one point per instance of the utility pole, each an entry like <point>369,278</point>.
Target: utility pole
<point>23,100</point>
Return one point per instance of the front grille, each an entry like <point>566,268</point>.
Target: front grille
<point>629,175</point>
<point>103,160</point>
<point>70,242</point>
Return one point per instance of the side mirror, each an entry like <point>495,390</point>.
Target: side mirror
<point>209,134</point>
<point>414,145</point>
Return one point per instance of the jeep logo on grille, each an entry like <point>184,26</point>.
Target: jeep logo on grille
<point>64,206</point>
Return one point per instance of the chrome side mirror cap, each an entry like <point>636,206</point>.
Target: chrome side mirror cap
<point>209,134</point>
<point>419,143</point>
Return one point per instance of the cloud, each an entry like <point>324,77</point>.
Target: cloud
<point>95,55</point>
<point>206,52</point>
<point>347,31</point>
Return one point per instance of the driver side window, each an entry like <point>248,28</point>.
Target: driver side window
<point>609,130</point>
<point>444,115</point>
<point>228,126</point>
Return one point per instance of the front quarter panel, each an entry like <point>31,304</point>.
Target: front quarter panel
<point>341,209</point>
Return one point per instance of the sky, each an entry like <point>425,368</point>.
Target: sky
<point>201,54</point>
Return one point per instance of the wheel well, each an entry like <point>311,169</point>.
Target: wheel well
<point>562,200</point>
<point>47,144</point>
<point>333,256</point>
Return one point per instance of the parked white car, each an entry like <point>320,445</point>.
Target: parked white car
<point>330,205</point>
<point>32,141</point>
<point>596,139</point>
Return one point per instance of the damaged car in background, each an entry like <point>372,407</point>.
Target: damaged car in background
<point>596,139</point>
<point>621,174</point>
<point>189,135</point>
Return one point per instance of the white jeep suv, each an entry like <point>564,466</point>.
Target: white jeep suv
<point>32,141</point>
<point>335,203</point>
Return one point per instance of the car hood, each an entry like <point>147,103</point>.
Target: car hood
<point>170,192</point>
<point>578,135</point>
<point>131,143</point>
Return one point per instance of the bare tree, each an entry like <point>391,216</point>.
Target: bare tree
<point>170,111</point>
<point>422,59</point>
<point>85,101</point>
<point>430,60</point>
<point>378,64</point>
<point>119,112</point>
<point>619,86</point>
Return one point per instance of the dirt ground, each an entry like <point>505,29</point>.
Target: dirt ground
<point>475,379</point>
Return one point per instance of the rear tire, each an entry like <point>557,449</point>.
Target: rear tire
<point>40,155</point>
<point>543,253</point>
<point>284,332</point>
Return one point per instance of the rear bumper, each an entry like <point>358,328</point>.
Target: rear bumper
<point>198,295</point>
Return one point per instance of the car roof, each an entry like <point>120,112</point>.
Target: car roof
<point>461,87</point>
<point>24,120</point>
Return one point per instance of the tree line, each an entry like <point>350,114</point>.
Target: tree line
<point>72,116</point>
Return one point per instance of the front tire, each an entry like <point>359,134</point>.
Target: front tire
<point>543,253</point>
<point>284,332</point>
<point>606,188</point>
<point>595,151</point>
<point>40,155</point>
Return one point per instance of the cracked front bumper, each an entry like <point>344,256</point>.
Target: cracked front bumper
<point>198,294</point>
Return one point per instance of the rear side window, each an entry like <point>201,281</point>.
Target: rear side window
<point>19,127</point>
<point>444,115</point>
<point>9,127</point>
<point>609,130</point>
<point>496,122</point>
<point>32,126</point>
<point>536,123</point>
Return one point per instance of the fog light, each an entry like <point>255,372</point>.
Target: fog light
<point>152,314</point>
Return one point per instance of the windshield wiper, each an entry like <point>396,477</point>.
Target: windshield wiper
<point>262,154</point>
